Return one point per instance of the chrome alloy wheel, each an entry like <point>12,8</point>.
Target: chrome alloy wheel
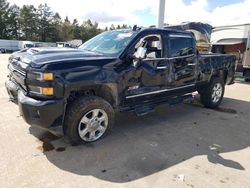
<point>93,125</point>
<point>217,92</point>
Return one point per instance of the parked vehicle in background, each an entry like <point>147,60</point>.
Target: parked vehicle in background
<point>121,70</point>
<point>25,44</point>
<point>62,44</point>
<point>70,44</point>
<point>16,45</point>
<point>44,44</point>
<point>8,45</point>
<point>234,39</point>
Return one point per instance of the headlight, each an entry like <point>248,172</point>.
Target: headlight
<point>47,90</point>
<point>41,76</point>
<point>41,90</point>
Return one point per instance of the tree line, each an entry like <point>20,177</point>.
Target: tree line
<point>42,24</point>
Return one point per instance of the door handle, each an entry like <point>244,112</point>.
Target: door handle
<point>191,64</point>
<point>162,67</point>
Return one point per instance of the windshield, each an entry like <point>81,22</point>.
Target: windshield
<point>110,43</point>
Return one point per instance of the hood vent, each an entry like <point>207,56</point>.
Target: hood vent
<point>32,51</point>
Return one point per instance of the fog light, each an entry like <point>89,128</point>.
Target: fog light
<point>47,90</point>
<point>47,76</point>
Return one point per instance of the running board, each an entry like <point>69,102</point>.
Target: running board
<point>143,110</point>
<point>177,100</point>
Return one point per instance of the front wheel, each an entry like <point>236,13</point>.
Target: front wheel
<point>212,95</point>
<point>88,119</point>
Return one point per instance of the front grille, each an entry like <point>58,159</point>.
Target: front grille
<point>15,68</point>
<point>17,75</point>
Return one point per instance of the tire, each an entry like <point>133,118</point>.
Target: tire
<point>212,95</point>
<point>86,115</point>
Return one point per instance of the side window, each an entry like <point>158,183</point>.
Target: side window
<point>181,46</point>
<point>153,45</point>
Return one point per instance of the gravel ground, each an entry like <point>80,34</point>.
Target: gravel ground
<point>181,146</point>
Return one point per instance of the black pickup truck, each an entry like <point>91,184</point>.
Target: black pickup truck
<point>123,70</point>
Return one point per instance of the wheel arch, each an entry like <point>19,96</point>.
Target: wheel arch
<point>221,73</point>
<point>107,92</point>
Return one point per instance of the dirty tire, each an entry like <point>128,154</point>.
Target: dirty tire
<point>206,93</point>
<point>79,109</point>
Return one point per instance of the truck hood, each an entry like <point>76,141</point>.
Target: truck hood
<point>37,57</point>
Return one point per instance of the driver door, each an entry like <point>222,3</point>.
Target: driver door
<point>147,76</point>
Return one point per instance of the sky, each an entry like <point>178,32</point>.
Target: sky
<point>145,12</point>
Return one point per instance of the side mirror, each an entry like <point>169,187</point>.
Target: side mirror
<point>140,53</point>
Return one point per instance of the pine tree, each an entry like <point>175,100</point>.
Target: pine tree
<point>66,30</point>
<point>4,6</point>
<point>118,27</point>
<point>56,27</point>
<point>124,26</point>
<point>76,29</point>
<point>89,30</point>
<point>112,27</point>
<point>42,24</point>
<point>13,23</point>
<point>29,22</point>
<point>45,17</point>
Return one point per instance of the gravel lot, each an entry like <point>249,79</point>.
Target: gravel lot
<point>181,146</point>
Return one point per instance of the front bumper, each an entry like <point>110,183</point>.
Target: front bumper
<point>40,113</point>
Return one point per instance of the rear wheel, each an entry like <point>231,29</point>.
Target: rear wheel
<point>212,95</point>
<point>88,119</point>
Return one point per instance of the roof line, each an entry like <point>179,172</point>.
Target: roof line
<point>232,25</point>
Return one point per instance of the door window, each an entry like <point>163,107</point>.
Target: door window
<point>153,45</point>
<point>181,46</point>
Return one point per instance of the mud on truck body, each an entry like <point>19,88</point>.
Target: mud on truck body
<point>121,70</point>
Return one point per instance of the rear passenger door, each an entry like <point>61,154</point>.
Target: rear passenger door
<point>182,57</point>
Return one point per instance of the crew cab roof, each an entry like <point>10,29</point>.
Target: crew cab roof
<point>162,30</point>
